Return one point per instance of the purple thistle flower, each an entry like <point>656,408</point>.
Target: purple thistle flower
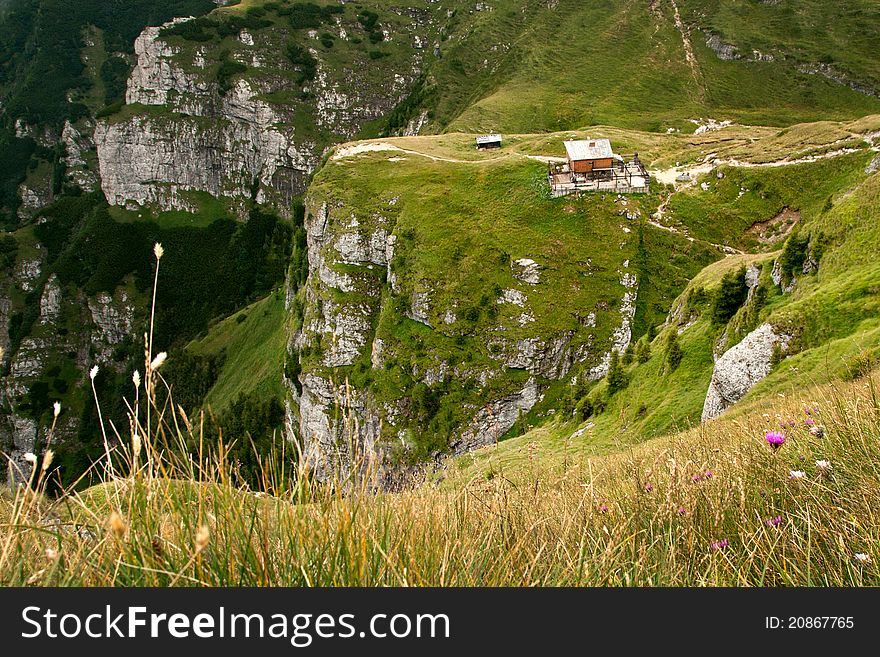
<point>774,522</point>
<point>707,474</point>
<point>696,478</point>
<point>762,493</point>
<point>775,439</point>
<point>809,422</point>
<point>719,545</point>
<point>649,488</point>
<point>791,423</point>
<point>681,510</point>
<point>808,410</point>
<point>603,508</point>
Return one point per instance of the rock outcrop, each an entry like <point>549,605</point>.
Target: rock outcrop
<point>34,361</point>
<point>357,302</point>
<point>113,319</point>
<point>741,367</point>
<point>339,428</point>
<point>776,275</point>
<point>496,419</point>
<point>838,76</point>
<point>182,134</point>
<point>722,50</point>
<point>526,270</point>
<point>729,52</point>
<point>77,146</point>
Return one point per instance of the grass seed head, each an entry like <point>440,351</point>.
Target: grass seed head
<point>157,362</point>
<point>117,524</point>
<point>203,535</point>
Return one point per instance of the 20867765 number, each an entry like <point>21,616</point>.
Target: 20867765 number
<point>809,622</point>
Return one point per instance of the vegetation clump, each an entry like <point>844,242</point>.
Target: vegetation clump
<point>730,296</point>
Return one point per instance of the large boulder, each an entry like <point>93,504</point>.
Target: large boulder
<point>740,368</point>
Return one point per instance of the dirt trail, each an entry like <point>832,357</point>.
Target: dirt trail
<point>665,176</point>
<point>372,147</point>
<point>375,147</point>
<point>686,41</point>
<point>668,176</point>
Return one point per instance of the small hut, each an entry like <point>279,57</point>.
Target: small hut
<point>587,156</point>
<point>591,166</point>
<point>488,141</point>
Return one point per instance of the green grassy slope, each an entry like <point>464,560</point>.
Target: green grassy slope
<point>253,341</point>
<point>461,217</point>
<point>459,227</point>
<point>838,34</point>
<point>626,64</point>
<point>493,204</point>
<point>833,316</point>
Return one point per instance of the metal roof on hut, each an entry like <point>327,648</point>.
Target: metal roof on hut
<point>489,140</point>
<point>588,149</point>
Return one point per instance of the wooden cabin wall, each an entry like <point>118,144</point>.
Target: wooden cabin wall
<point>586,166</point>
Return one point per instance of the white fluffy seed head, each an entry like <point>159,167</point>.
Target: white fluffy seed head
<point>158,251</point>
<point>136,379</point>
<point>93,372</point>
<point>158,360</point>
<point>30,457</point>
<point>56,408</point>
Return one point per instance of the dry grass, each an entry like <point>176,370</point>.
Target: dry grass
<point>638,518</point>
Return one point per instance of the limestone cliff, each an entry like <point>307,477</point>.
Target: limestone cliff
<point>259,135</point>
<point>70,332</point>
<point>357,403</point>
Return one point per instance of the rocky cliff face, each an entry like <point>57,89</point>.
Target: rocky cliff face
<point>741,367</point>
<point>355,297</point>
<point>70,331</point>
<point>182,133</point>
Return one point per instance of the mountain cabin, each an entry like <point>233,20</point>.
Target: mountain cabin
<point>592,166</point>
<point>590,156</point>
<point>488,141</point>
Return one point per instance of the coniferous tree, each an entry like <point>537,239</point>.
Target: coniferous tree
<point>730,296</point>
<point>643,351</point>
<point>673,352</point>
<point>616,377</point>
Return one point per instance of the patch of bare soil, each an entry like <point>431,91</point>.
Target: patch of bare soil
<point>776,229</point>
